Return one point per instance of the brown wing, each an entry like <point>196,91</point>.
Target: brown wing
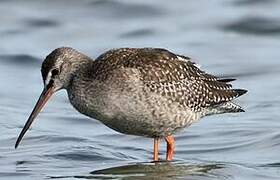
<point>173,76</point>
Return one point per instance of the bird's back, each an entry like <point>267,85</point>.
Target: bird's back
<point>150,92</point>
<point>174,77</point>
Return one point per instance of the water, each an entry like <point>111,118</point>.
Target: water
<point>237,39</point>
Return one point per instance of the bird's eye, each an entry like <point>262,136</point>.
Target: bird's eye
<point>54,72</point>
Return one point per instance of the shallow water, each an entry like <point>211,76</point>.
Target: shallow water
<point>237,39</point>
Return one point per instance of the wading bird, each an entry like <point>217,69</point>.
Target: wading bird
<point>147,92</point>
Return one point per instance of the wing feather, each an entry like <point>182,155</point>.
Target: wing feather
<point>173,76</point>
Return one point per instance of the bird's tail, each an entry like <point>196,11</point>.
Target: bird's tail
<point>240,92</point>
<point>229,107</point>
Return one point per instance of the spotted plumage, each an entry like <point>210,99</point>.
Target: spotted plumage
<point>173,76</point>
<point>148,92</point>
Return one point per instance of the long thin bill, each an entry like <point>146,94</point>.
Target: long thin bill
<point>45,95</point>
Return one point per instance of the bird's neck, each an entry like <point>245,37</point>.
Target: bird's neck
<point>83,63</point>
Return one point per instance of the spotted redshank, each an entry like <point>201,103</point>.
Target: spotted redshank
<point>147,92</point>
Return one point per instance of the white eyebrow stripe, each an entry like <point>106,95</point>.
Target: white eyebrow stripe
<point>48,79</point>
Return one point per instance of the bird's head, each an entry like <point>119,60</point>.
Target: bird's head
<point>57,68</point>
<point>57,71</point>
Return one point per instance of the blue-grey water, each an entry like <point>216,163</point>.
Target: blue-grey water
<point>232,38</point>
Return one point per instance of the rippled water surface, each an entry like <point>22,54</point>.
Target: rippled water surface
<point>232,38</point>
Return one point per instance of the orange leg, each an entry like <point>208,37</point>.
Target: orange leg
<point>170,147</point>
<point>156,142</point>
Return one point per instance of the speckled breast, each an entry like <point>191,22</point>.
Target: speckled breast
<point>126,105</point>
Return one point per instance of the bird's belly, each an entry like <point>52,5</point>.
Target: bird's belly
<point>149,117</point>
<point>144,127</point>
<point>131,110</point>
